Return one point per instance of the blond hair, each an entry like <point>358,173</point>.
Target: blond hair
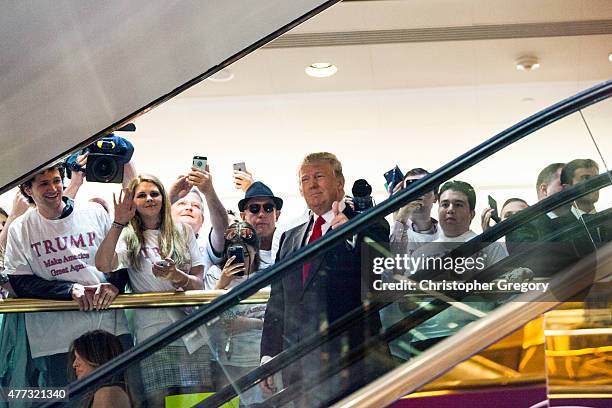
<point>324,157</point>
<point>172,235</point>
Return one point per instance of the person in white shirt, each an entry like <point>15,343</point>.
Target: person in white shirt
<point>188,207</point>
<point>161,255</point>
<point>413,223</point>
<point>456,211</point>
<point>50,254</point>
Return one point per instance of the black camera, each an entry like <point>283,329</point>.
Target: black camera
<point>106,159</point>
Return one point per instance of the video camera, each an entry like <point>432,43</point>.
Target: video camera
<point>106,158</point>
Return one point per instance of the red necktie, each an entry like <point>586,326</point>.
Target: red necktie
<point>316,234</point>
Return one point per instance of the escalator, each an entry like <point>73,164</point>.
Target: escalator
<point>394,342</point>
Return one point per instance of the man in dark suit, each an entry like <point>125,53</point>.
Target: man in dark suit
<point>561,235</point>
<point>317,294</point>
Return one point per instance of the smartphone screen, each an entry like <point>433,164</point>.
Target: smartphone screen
<point>240,166</point>
<point>238,252</point>
<point>493,205</point>
<point>199,162</point>
<point>393,177</point>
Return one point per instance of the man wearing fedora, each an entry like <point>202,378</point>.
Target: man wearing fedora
<point>261,208</point>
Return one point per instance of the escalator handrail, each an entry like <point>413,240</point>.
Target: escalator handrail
<point>489,147</point>
<point>480,334</point>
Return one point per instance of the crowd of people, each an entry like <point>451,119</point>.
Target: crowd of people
<point>54,248</point>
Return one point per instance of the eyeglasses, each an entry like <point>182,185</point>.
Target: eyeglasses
<point>254,208</point>
<point>233,231</point>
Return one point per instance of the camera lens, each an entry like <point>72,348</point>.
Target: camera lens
<point>105,169</point>
<point>199,164</point>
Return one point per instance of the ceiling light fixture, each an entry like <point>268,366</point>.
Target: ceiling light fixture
<point>610,57</point>
<point>527,63</point>
<point>223,75</point>
<point>321,69</point>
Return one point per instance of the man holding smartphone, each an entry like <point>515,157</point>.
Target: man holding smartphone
<point>413,223</point>
<point>188,207</point>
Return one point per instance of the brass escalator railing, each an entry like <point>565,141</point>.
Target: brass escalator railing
<point>129,301</point>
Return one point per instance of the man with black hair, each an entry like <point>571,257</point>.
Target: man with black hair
<point>456,211</point>
<point>50,255</point>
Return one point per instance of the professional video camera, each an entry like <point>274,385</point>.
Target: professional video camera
<point>106,158</point>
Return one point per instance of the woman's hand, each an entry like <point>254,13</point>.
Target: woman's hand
<point>124,206</point>
<point>166,269</point>
<point>230,272</point>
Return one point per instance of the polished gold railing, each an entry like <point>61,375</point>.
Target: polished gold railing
<point>129,301</point>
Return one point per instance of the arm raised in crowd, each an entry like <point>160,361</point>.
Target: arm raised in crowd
<point>202,179</point>
<point>106,257</point>
<point>20,206</point>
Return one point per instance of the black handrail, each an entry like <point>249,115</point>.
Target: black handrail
<point>489,147</point>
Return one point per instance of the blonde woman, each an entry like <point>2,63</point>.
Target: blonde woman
<point>161,255</point>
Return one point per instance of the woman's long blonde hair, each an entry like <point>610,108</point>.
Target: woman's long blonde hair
<point>173,235</point>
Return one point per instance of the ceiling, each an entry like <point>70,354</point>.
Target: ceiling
<point>421,82</point>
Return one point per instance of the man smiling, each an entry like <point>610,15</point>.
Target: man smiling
<point>50,254</point>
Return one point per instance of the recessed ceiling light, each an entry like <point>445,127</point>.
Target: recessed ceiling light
<point>321,69</point>
<point>527,63</point>
<point>223,75</point>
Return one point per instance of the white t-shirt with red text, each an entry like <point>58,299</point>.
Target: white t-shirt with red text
<point>62,249</point>
<point>149,322</point>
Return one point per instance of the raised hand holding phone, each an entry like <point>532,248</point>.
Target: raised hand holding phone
<point>200,176</point>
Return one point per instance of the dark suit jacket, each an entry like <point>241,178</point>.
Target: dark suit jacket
<point>553,244</point>
<point>296,311</point>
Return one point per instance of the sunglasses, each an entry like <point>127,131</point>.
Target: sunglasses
<point>254,208</point>
<point>232,232</point>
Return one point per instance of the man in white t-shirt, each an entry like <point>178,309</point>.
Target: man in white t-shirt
<point>456,211</point>
<point>50,254</point>
<point>413,223</point>
<point>188,207</point>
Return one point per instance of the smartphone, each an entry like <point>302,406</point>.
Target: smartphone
<point>199,162</point>
<point>393,177</point>
<point>493,205</point>
<point>240,166</point>
<point>162,263</point>
<point>238,252</point>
